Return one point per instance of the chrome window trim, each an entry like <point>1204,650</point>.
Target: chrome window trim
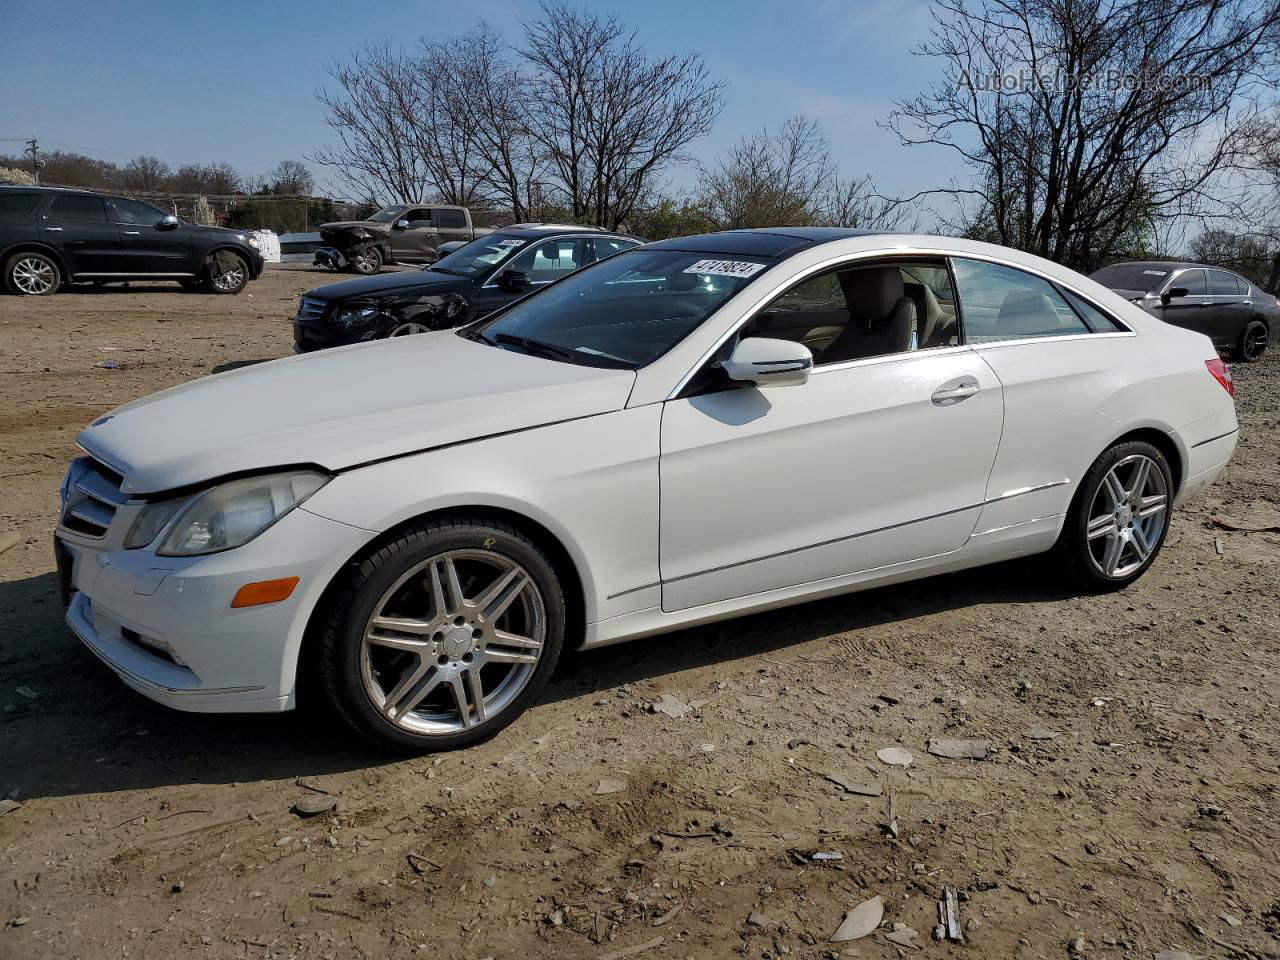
<point>948,255</point>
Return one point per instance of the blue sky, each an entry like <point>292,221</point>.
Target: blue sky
<point>235,81</point>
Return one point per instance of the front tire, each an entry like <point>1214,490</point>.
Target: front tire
<point>1119,517</point>
<point>227,272</point>
<point>367,262</point>
<point>1253,342</point>
<point>32,275</point>
<point>444,636</point>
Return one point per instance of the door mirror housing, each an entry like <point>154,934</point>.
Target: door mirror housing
<point>168,222</point>
<point>400,225</point>
<point>767,362</point>
<point>513,280</point>
<point>1173,292</point>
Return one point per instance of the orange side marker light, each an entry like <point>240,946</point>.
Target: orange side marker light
<point>264,591</point>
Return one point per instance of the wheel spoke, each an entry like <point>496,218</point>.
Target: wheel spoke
<point>503,638</point>
<point>460,699</point>
<point>407,644</point>
<point>1114,489</point>
<point>1152,505</point>
<point>1140,473</point>
<point>399,702</point>
<point>477,693</point>
<point>446,590</point>
<point>1100,526</point>
<point>1111,555</point>
<point>500,596</point>
<point>404,625</point>
<point>1139,541</point>
<point>509,656</point>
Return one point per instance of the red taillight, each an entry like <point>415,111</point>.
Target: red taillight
<point>1222,373</point>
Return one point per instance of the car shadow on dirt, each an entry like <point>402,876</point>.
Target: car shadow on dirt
<point>83,731</point>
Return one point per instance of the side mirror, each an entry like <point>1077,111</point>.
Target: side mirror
<point>767,362</point>
<point>400,225</point>
<point>168,222</point>
<point>513,280</point>
<point>1173,292</point>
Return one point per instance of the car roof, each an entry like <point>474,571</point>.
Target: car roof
<point>530,231</point>
<point>777,242</point>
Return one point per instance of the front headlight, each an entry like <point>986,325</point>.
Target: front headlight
<point>252,240</point>
<point>228,515</point>
<point>353,316</point>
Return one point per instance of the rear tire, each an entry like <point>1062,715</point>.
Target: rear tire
<point>444,636</point>
<point>32,274</point>
<point>1118,518</point>
<point>1253,342</point>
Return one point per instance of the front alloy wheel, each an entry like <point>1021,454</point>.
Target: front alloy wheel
<point>444,636</point>
<point>408,329</point>
<point>228,275</point>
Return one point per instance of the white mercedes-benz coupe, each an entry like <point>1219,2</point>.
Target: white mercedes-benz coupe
<point>693,430</point>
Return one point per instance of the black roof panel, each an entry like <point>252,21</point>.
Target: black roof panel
<point>775,242</point>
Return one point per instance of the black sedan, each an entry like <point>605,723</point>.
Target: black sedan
<point>1241,319</point>
<point>474,280</point>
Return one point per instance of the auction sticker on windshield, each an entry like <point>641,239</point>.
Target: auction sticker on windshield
<point>726,268</point>
<point>511,243</point>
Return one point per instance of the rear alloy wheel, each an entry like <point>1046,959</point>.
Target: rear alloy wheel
<point>1253,342</point>
<point>445,636</point>
<point>367,261</point>
<point>31,275</point>
<point>228,273</point>
<point>1119,518</point>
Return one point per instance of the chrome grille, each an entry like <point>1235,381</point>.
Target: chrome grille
<point>310,308</point>
<point>93,498</point>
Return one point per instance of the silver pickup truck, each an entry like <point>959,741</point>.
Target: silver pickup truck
<point>404,233</point>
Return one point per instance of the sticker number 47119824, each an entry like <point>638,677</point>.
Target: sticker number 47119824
<point>726,268</point>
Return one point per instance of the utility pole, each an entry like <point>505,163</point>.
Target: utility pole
<point>33,147</point>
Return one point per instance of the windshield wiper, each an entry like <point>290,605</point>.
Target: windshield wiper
<point>452,273</point>
<point>536,347</point>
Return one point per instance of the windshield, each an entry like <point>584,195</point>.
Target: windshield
<point>625,311</point>
<point>386,214</point>
<point>1132,276</point>
<point>480,255</point>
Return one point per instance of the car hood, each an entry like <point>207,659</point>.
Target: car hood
<point>344,407</point>
<point>409,282</point>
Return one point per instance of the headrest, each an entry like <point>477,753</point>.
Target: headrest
<point>874,292</point>
<point>1023,306</point>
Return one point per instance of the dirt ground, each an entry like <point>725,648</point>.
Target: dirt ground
<point>595,828</point>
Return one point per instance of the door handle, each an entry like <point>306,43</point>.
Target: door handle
<point>947,395</point>
<point>132,233</point>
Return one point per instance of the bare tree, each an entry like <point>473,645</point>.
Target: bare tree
<point>144,174</point>
<point>789,178</point>
<point>291,177</point>
<point>1082,118</point>
<point>608,117</point>
<point>476,139</point>
<point>374,114</point>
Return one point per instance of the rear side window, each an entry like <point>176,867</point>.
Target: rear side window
<point>607,247</point>
<point>1242,288</point>
<point>19,206</point>
<point>1001,303</point>
<point>450,219</point>
<point>1095,318</point>
<point>77,206</point>
<point>1222,284</point>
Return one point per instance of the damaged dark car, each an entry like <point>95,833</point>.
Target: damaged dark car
<point>404,233</point>
<point>473,281</point>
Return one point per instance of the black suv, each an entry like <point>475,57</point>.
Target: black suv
<point>50,236</point>
<point>472,281</point>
